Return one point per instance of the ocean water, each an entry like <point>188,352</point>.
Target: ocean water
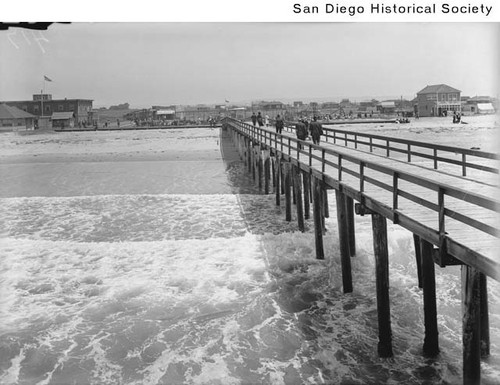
<point>202,281</point>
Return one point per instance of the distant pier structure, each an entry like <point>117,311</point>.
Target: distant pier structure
<point>450,205</point>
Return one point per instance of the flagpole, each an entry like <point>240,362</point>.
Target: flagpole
<point>41,96</point>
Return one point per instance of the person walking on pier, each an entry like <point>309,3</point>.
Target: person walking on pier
<point>280,123</point>
<point>267,120</point>
<point>301,132</point>
<point>259,119</point>
<point>316,130</point>
<point>254,119</point>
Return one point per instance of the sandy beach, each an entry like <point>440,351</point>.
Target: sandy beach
<point>90,146</point>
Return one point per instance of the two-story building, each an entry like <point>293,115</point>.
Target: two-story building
<point>43,106</point>
<point>438,100</point>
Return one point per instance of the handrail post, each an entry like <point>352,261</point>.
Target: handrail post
<point>409,153</point>
<point>339,162</point>
<point>464,168</point>
<point>441,223</point>
<point>435,159</point>
<point>362,177</point>
<point>356,141</point>
<point>371,144</point>
<point>395,194</point>
<point>387,147</point>
<point>323,161</point>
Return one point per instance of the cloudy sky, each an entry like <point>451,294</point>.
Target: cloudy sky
<point>148,64</point>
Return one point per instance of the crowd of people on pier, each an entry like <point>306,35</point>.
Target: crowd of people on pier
<point>303,128</point>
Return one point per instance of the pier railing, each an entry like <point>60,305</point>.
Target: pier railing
<point>394,192</point>
<point>412,150</point>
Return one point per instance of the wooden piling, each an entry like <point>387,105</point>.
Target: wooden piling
<point>278,181</point>
<point>260,167</point>
<point>345,255</point>
<point>326,209</point>
<point>267,170</point>
<point>249,155</point>
<point>485,318</point>
<point>253,163</point>
<point>418,258</point>
<point>351,225</point>
<point>431,340</point>
<point>379,227</point>
<point>317,209</point>
<point>297,185</point>
<point>273,170</point>
<point>471,321</point>
<point>282,178</point>
<point>288,195</point>
<point>323,203</point>
<point>306,178</point>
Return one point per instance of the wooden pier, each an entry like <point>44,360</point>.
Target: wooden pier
<point>452,211</point>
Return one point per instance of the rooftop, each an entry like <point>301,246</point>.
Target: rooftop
<point>438,89</point>
<point>9,112</point>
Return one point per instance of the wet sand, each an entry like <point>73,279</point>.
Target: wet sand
<point>101,163</point>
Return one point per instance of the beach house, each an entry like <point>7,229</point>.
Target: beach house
<point>15,118</point>
<point>438,100</point>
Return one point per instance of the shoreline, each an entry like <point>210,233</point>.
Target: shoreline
<point>140,156</point>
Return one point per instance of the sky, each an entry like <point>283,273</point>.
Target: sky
<point>147,64</point>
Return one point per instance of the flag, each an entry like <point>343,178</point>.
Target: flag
<point>46,78</point>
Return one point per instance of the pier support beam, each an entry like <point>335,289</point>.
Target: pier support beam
<point>306,179</point>
<point>431,340</point>
<point>297,185</point>
<point>249,154</point>
<point>253,162</point>
<point>326,209</point>
<point>471,322</point>
<point>260,166</point>
<point>283,177</point>
<point>345,255</point>
<point>418,258</point>
<point>267,170</point>
<point>273,169</point>
<point>317,213</point>
<point>325,213</point>
<point>485,318</point>
<point>379,226</point>
<point>288,194</point>
<point>277,183</point>
<point>351,225</point>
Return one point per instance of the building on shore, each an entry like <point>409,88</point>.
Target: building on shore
<point>16,118</point>
<point>63,120</point>
<point>42,106</point>
<point>438,100</point>
<point>479,105</point>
